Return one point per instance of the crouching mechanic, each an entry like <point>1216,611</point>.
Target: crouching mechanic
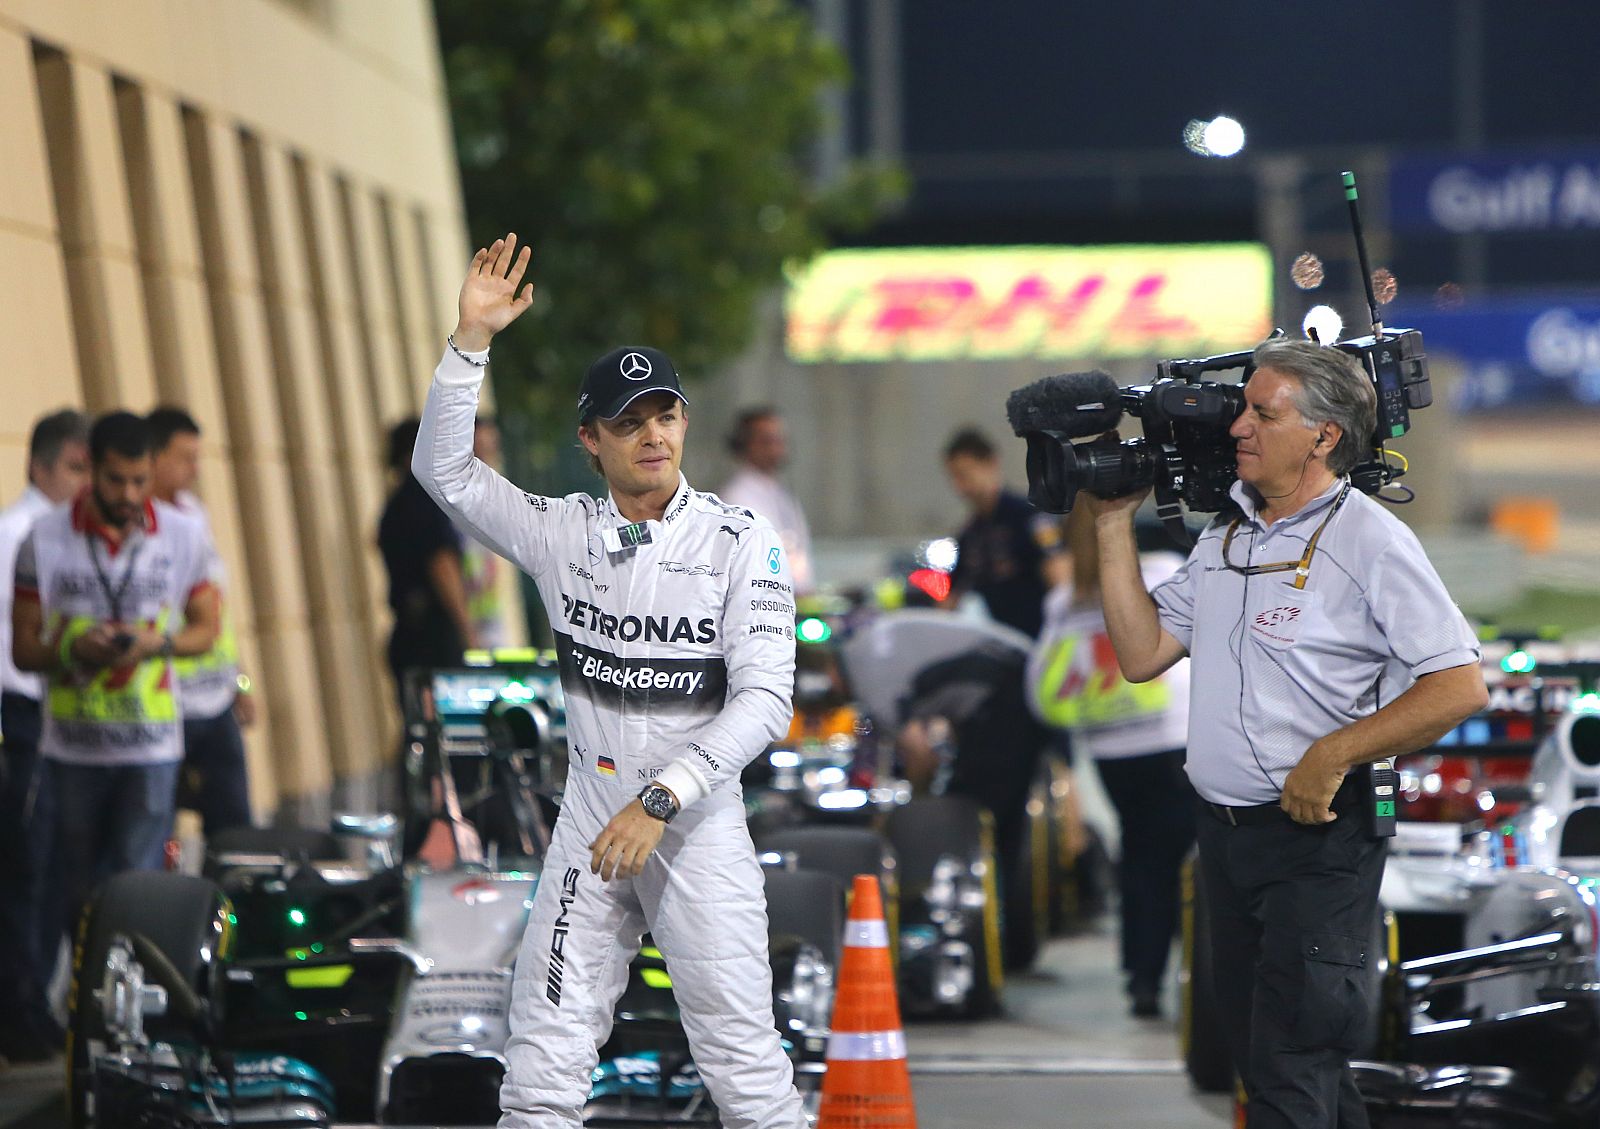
<point>674,623</point>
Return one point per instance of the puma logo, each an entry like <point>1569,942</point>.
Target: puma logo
<point>732,532</point>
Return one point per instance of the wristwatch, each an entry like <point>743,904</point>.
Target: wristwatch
<point>168,646</point>
<point>659,802</point>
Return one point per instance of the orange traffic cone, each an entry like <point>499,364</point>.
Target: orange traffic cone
<point>867,1085</point>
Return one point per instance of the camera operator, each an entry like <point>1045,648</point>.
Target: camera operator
<point>1322,640</point>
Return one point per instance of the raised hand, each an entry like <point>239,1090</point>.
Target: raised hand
<point>489,300</point>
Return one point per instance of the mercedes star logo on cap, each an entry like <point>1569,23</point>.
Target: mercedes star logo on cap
<point>636,366</point>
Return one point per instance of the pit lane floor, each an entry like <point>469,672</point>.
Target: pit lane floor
<point>1066,1054</point>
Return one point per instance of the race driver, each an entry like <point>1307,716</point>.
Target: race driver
<point>674,622</point>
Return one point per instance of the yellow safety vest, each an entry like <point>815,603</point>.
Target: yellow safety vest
<point>1080,686</point>
<point>142,695</point>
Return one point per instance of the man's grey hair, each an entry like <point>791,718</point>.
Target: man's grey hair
<point>1330,388</point>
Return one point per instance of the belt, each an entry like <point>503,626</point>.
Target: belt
<point>1256,815</point>
<point>1252,816</point>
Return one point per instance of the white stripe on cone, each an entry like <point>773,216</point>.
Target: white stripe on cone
<point>866,934</point>
<point>866,1046</point>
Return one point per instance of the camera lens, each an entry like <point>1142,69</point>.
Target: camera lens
<point>1110,469</point>
<point>1058,469</point>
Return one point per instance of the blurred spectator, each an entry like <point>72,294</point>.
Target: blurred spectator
<point>1010,553</point>
<point>422,551</point>
<point>1136,736</point>
<point>761,445</point>
<point>30,934</point>
<point>213,695</point>
<point>968,732</point>
<point>100,586</point>
<point>480,568</point>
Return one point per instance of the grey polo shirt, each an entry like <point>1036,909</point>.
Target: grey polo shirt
<point>1275,668</point>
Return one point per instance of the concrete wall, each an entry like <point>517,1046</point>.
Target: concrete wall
<point>239,206</point>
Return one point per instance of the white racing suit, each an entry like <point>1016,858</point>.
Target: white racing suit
<point>677,659</point>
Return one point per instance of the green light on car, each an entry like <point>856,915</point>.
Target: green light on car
<point>329,976</point>
<point>297,916</point>
<point>1518,662</point>
<point>813,630</point>
<point>300,1015</point>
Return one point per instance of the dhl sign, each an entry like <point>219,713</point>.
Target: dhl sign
<point>991,303</point>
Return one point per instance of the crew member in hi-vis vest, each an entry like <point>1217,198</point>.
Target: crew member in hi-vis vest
<point>102,585</point>
<point>1135,732</point>
<point>212,693</point>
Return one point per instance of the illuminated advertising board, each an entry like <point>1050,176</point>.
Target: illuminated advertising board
<point>994,303</point>
<point>1530,351</point>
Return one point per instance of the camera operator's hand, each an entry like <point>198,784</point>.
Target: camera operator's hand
<point>1308,790</point>
<point>1114,508</point>
<point>489,300</point>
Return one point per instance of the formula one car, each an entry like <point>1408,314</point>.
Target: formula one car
<point>975,896</point>
<point>313,975</point>
<point>1485,962</point>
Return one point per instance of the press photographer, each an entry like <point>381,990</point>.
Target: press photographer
<point>1323,641</point>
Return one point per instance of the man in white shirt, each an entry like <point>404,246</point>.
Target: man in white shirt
<point>1322,640</point>
<point>214,781</point>
<point>58,467</point>
<point>109,590</point>
<point>761,445</point>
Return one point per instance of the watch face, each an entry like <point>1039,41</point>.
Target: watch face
<point>658,802</point>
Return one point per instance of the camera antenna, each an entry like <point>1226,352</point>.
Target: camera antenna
<point>1361,252</point>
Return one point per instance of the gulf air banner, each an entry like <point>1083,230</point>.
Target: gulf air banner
<point>993,303</point>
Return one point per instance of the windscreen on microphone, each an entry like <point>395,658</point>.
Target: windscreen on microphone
<point>1076,404</point>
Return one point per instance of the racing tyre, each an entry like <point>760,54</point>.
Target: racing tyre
<point>186,918</point>
<point>1206,1057</point>
<point>953,827</point>
<point>1031,876</point>
<point>1081,874</point>
<point>809,905</point>
<point>843,852</point>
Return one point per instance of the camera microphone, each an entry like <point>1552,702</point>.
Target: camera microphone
<point>1074,404</point>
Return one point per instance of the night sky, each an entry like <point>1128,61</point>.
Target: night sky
<point>1001,99</point>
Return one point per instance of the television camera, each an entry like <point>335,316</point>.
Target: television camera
<point>1186,454</point>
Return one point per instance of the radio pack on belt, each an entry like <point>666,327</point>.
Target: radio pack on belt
<point>1379,800</point>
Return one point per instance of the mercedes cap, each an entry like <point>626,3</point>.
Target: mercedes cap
<point>621,377</point>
